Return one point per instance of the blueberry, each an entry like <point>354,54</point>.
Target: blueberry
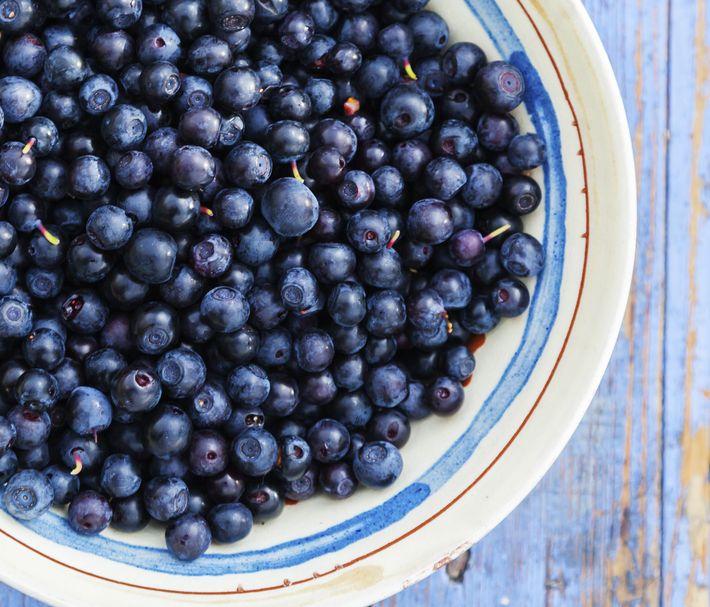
<point>28,495</point>
<point>520,194</point>
<point>8,466</point>
<point>386,313</point>
<point>188,537</point>
<point>101,366</point>
<point>109,227</point>
<point>382,269</point>
<point>230,522</point>
<point>68,375</point>
<point>158,42</point>
<point>326,165</point>
<point>225,309</point>
<point>445,396</point>
<point>346,304</point>
<point>8,239</point>
<point>129,514</point>
<point>338,480</point>
<point>314,350</point>
<point>458,363</point>
<point>297,30</point>
<point>88,177</point>
<point>377,464</point>
<point>120,476</point>
<point>168,431</point>
<point>159,82</point>
<point>98,94</point>
<point>329,440</point>
<point>453,287</point>
<point>407,111</point>
<point>113,50</point>
<point>133,170</point>
<point>123,127</point>
<point>150,256</point>
<point>264,500</point>
<point>8,434</point>
<point>357,190</point>
<point>184,289</point>
<point>165,497</point>
<point>24,55</point>
<point>527,152</point>
<point>15,317</point>
<point>295,457</point>
<point>287,140</point>
<point>430,221</point>
<point>299,289</point>
<point>267,309</point>
<point>444,178</point>
<point>237,89</point>
<point>208,454</point>
<point>136,389</point>
<point>522,255</point>
<point>500,86</point>
<point>16,167</point>
<point>254,452</point>
<point>64,485</point>
<point>248,385</point>
<point>483,185</point>
<point>193,167</point>
<point>20,99</point>
<point>509,297</point>
<point>209,55</point>
<point>352,409</point>
<point>302,488</point>
<point>377,76</point>
<point>242,418</point>
<point>335,134</point>
<point>88,411</point>
<point>462,61</point>
<point>318,388</point>
<point>8,278</point>
<point>181,371</point>
<point>209,407</point>
<point>391,426</point>
<point>386,385</point>
<point>248,165</point>
<point>289,207</point>
<point>160,146</point>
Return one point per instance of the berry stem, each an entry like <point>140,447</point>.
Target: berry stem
<point>351,106</point>
<point>51,238</point>
<point>207,211</point>
<point>295,171</point>
<point>449,324</point>
<point>78,464</point>
<point>395,238</point>
<point>28,146</point>
<point>409,70</point>
<point>498,232</point>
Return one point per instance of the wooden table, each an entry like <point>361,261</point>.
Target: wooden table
<point>623,517</point>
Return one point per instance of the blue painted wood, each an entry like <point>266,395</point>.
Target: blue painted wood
<point>622,517</point>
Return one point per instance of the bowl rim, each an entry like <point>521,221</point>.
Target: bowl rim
<point>617,112</point>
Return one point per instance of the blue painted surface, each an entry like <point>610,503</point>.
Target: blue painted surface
<point>621,519</point>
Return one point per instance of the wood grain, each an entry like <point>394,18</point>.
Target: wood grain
<point>622,519</point>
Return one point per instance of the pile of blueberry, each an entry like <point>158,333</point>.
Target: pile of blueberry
<point>242,244</point>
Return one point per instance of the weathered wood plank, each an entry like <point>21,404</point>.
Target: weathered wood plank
<point>590,534</point>
<point>686,491</point>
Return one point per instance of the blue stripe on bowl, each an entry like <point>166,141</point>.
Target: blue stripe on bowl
<point>541,318</point>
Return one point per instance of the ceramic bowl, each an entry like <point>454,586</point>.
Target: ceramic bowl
<point>462,475</point>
